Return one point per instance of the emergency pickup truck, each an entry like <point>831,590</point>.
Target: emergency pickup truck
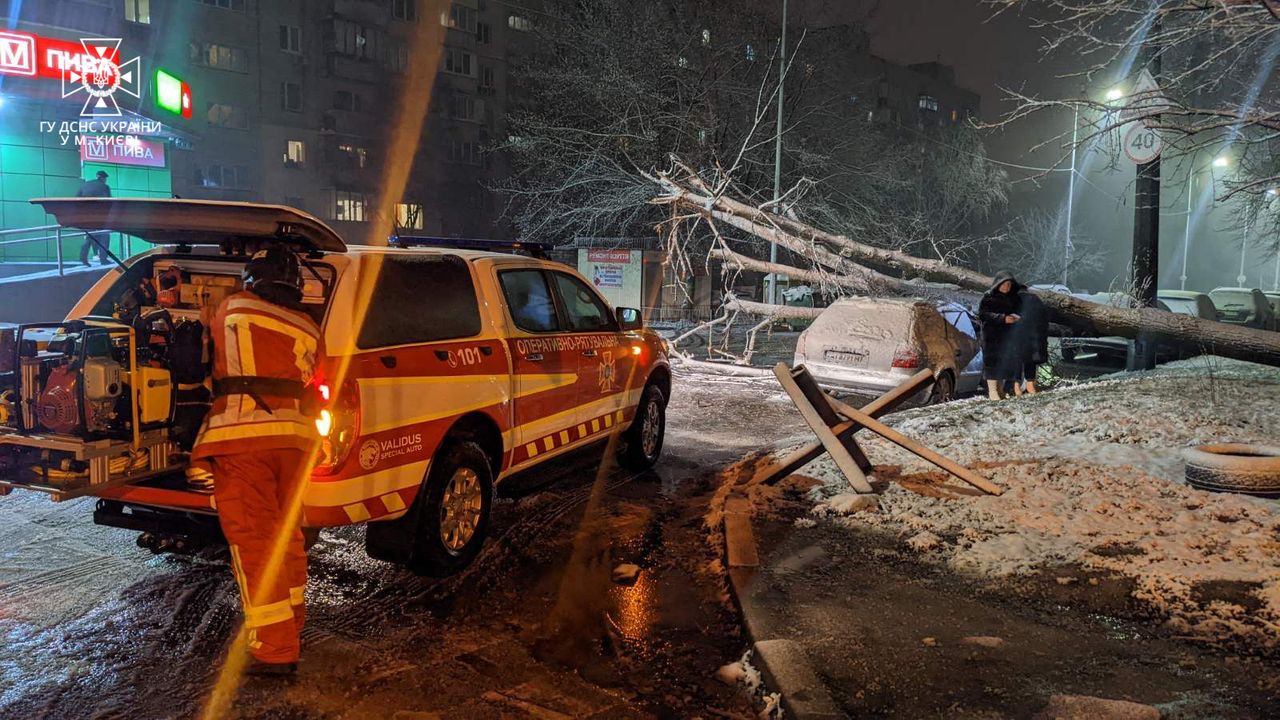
<point>446,371</point>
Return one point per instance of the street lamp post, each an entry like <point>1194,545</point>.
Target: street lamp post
<point>1113,95</point>
<point>1071,195</point>
<point>1241,279</point>
<point>777,155</point>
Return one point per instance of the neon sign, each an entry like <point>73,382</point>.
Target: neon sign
<point>27,55</point>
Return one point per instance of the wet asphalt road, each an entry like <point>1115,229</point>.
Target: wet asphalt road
<point>94,627</point>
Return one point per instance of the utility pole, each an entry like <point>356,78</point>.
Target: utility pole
<point>1146,225</point>
<point>1186,237</point>
<point>772,285</point>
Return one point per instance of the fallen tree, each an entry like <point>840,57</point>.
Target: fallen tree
<point>845,264</point>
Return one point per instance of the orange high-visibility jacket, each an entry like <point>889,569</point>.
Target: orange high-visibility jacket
<point>254,338</point>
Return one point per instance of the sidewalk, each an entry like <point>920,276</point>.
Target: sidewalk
<point>886,635</point>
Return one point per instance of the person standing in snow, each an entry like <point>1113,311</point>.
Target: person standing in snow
<point>1002,360</point>
<point>1031,336</point>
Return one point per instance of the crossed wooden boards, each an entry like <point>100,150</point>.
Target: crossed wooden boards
<point>835,423</point>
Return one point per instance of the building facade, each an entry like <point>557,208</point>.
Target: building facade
<point>292,102</point>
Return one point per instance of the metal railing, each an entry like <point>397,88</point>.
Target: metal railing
<point>55,234</point>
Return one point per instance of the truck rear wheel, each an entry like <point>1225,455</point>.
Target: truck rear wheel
<point>452,510</point>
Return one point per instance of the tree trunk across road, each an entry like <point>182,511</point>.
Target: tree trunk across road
<point>861,267</point>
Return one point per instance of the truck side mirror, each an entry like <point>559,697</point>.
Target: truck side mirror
<point>629,319</point>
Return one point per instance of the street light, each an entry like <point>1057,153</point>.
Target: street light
<point>1219,162</point>
<point>1112,95</point>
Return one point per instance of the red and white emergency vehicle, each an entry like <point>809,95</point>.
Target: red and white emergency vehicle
<point>446,371</point>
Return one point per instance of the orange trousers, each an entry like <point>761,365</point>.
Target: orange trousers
<point>254,492</point>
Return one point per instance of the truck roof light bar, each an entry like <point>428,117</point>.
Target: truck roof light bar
<point>536,249</point>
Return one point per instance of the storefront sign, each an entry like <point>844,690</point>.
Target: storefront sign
<point>615,273</point>
<point>122,151</point>
<point>35,56</point>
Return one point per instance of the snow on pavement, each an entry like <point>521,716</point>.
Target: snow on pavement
<point>1093,478</point>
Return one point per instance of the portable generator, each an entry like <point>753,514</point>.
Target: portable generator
<point>84,404</point>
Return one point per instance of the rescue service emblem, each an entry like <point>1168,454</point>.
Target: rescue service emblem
<point>370,454</point>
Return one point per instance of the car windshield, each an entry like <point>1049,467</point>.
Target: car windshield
<point>1180,305</point>
<point>1233,298</point>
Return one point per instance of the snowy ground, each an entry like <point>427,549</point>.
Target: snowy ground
<point>1093,480</point>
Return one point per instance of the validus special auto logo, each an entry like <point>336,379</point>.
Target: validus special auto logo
<point>99,75</point>
<point>373,451</point>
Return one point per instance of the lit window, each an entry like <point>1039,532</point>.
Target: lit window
<point>459,17</point>
<point>955,115</point>
<point>928,102</point>
<point>349,206</point>
<point>138,11</point>
<point>519,22</point>
<point>751,53</point>
<point>217,56</point>
<point>409,216</point>
<point>404,9</point>
<point>290,96</point>
<point>458,62</point>
<point>706,36</point>
<point>357,156</point>
<point>682,62</point>
<point>291,39</point>
<point>227,116</point>
<point>295,153</point>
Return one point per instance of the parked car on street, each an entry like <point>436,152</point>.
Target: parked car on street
<point>1244,306</point>
<point>1273,297</point>
<point>1189,302</point>
<point>1109,351</point>
<point>871,345</point>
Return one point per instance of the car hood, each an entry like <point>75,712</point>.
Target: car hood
<point>193,222</point>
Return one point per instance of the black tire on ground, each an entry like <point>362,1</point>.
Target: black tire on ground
<point>1235,468</point>
<point>457,495</point>
<point>642,442</point>
<point>944,388</point>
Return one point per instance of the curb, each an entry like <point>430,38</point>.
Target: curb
<point>781,661</point>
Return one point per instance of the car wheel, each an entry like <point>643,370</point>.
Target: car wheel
<point>452,510</point>
<point>944,388</point>
<point>642,442</point>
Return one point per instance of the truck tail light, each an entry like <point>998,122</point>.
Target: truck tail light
<point>907,358</point>
<point>338,423</point>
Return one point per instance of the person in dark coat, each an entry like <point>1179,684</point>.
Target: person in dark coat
<point>96,188</point>
<point>1002,360</point>
<point>1031,336</point>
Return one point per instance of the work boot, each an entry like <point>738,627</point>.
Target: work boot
<point>257,668</point>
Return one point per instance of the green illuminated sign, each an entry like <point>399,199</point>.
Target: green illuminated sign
<point>172,94</point>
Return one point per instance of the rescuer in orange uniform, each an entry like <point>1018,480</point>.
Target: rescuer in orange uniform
<point>257,441</point>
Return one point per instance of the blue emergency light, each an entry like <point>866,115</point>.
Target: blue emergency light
<point>535,249</point>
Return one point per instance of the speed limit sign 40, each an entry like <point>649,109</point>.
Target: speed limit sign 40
<point>1142,144</point>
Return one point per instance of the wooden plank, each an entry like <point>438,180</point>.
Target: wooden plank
<point>844,461</point>
<point>916,448</point>
<point>808,453</point>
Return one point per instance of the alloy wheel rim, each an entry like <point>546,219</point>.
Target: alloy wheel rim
<point>649,432</point>
<point>460,509</point>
